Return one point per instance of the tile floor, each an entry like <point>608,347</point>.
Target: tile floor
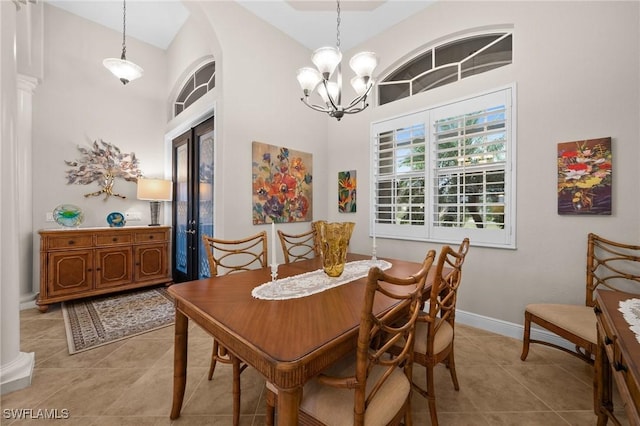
<point>130,382</point>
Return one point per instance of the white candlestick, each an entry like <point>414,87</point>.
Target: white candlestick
<point>273,243</point>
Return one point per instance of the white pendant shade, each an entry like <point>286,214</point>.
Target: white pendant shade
<point>125,70</point>
<point>364,63</point>
<point>359,85</point>
<point>326,59</point>
<point>309,78</point>
<point>333,91</point>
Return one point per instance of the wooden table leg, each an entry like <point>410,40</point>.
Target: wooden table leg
<point>288,404</point>
<point>179,363</point>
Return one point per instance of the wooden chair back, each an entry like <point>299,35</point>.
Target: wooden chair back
<point>444,292</point>
<point>298,246</point>
<point>387,329</point>
<point>227,256</point>
<point>613,265</point>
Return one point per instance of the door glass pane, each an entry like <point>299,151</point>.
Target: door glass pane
<point>181,205</point>
<point>205,190</point>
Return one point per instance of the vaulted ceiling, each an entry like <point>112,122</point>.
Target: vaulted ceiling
<point>312,23</point>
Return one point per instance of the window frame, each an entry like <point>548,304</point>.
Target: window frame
<point>500,238</point>
<point>460,67</point>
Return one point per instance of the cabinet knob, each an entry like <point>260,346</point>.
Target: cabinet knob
<point>115,239</point>
<point>151,237</point>
<point>71,242</point>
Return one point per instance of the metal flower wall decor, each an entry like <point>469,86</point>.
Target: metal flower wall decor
<point>103,162</point>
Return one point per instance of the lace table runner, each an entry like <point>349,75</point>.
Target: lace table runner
<point>630,309</point>
<point>315,281</point>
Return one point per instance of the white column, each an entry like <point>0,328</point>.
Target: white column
<point>26,87</point>
<point>16,367</point>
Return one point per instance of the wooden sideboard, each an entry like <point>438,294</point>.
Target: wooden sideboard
<point>77,263</point>
<point>617,359</point>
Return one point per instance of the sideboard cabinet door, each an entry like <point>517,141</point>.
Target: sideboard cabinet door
<point>69,272</point>
<point>151,262</point>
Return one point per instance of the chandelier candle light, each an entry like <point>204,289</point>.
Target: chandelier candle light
<point>125,70</point>
<point>327,60</point>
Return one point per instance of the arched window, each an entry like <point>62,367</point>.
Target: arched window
<point>200,82</point>
<point>447,63</point>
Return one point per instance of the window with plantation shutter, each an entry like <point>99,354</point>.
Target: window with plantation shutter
<point>446,173</point>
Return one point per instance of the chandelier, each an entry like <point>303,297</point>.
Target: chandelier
<point>327,60</point>
<point>125,70</point>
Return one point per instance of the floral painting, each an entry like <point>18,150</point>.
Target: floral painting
<point>347,191</point>
<point>282,185</point>
<point>584,177</point>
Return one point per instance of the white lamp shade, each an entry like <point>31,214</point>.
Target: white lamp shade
<point>308,79</point>
<point>359,85</point>
<point>154,189</point>
<point>326,59</point>
<point>125,70</point>
<point>333,91</point>
<point>364,63</point>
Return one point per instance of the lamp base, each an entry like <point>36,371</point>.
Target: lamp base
<point>155,213</point>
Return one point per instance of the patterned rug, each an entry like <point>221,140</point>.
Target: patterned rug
<point>98,321</point>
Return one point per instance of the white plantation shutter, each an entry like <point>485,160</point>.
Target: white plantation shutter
<point>454,180</point>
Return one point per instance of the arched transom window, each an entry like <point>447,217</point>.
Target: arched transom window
<point>447,63</point>
<point>200,82</point>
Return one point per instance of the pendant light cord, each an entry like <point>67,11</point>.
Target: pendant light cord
<point>338,25</point>
<point>124,29</point>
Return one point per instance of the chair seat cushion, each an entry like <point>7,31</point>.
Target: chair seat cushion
<point>576,319</point>
<point>334,406</point>
<point>444,336</point>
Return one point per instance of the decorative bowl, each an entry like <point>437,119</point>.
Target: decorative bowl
<point>116,220</point>
<point>68,215</point>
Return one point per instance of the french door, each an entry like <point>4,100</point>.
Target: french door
<point>192,154</point>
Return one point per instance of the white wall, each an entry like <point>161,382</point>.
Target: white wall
<point>80,101</point>
<point>576,67</point>
<point>258,100</point>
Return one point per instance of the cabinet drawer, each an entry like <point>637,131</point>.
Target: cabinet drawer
<point>113,238</point>
<point>151,236</point>
<point>69,241</point>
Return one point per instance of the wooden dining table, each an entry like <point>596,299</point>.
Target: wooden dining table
<point>287,341</point>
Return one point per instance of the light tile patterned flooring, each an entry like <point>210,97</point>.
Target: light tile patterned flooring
<point>130,382</point>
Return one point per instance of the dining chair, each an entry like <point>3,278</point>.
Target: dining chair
<point>369,387</point>
<point>298,246</point>
<point>435,329</point>
<point>612,266</point>
<point>225,257</point>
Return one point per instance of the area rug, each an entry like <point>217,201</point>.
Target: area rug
<point>98,321</point>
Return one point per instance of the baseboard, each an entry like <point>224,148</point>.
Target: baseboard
<point>28,301</point>
<point>509,329</point>
<point>18,373</point>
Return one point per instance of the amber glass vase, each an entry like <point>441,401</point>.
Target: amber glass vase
<point>334,242</point>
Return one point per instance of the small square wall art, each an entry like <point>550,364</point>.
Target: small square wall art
<point>282,184</point>
<point>584,177</point>
<point>347,191</point>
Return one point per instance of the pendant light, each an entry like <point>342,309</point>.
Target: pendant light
<point>125,70</point>
<point>327,60</point>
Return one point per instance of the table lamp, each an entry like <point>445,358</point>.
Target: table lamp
<point>154,190</point>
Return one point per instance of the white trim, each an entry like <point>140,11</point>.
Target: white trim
<point>509,329</point>
<point>18,373</point>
